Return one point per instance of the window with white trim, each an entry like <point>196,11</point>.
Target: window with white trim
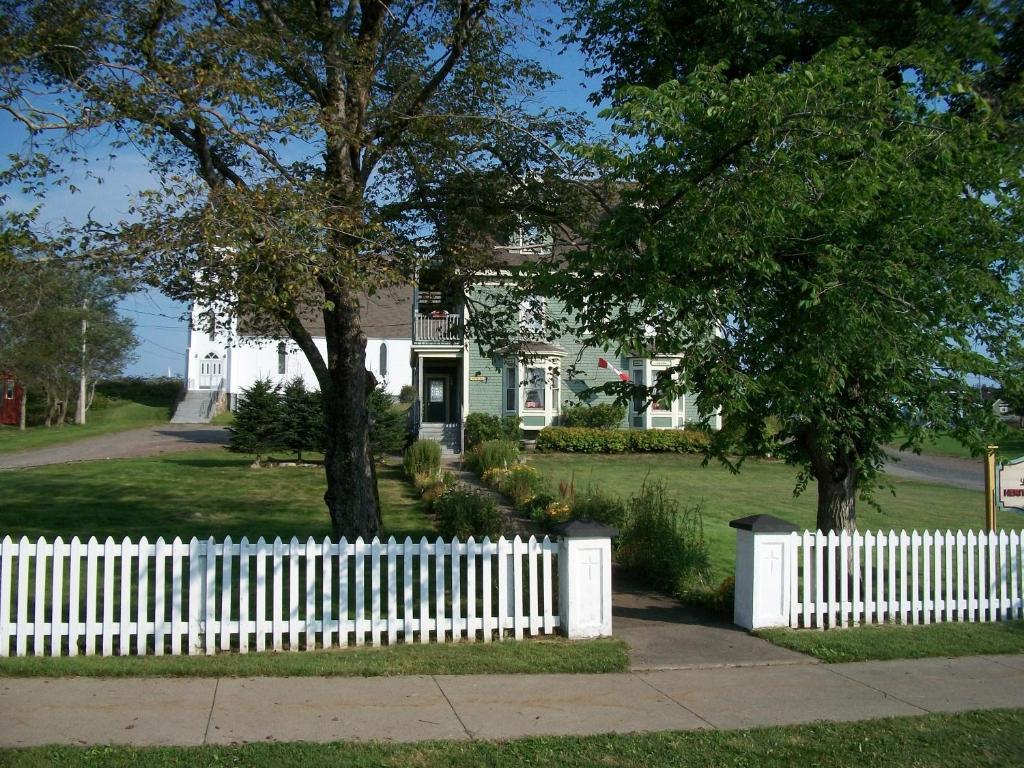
<point>535,389</point>
<point>511,386</point>
<point>531,315</point>
<point>9,389</point>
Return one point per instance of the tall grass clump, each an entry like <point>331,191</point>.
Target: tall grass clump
<point>422,461</point>
<point>491,454</point>
<point>661,541</point>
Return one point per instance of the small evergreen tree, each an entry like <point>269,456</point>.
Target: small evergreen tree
<point>257,425</point>
<point>302,420</point>
<point>388,424</point>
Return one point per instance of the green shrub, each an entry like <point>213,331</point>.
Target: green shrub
<point>489,455</point>
<point>662,543</point>
<point>433,491</point>
<point>480,427</point>
<point>389,425</point>
<point>463,513</point>
<point>668,440</point>
<point>583,440</point>
<point>589,440</point>
<point>599,416</point>
<point>716,601</point>
<point>407,393</point>
<point>422,458</point>
<point>595,504</point>
<point>257,425</point>
<point>520,484</point>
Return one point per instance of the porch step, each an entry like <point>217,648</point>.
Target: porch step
<point>198,407</point>
<point>447,435</point>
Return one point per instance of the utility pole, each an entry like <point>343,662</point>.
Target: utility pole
<point>80,410</point>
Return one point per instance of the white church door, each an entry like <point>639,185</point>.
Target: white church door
<point>211,371</point>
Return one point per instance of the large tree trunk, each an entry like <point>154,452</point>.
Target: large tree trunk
<point>351,495</point>
<point>837,497</point>
<point>836,476</point>
<point>24,408</point>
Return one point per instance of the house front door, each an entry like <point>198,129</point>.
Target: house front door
<point>211,371</point>
<point>436,398</point>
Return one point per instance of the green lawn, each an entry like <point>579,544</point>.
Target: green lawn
<point>199,493</point>
<point>761,487</point>
<point>950,741</point>
<point>902,642</point>
<point>523,657</point>
<point>1010,446</point>
<point>119,405</point>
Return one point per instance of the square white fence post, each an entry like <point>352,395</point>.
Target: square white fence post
<point>585,579</point>
<point>764,552</point>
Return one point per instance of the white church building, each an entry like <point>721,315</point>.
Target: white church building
<point>224,360</point>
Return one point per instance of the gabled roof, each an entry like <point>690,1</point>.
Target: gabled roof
<point>385,315</point>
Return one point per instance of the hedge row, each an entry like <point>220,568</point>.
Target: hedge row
<point>587,440</point>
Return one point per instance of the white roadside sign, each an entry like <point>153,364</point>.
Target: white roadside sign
<point>1010,484</point>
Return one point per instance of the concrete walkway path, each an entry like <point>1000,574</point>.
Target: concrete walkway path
<point>129,444</point>
<point>192,711</point>
<point>662,633</point>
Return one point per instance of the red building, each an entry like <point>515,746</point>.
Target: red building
<point>10,399</point>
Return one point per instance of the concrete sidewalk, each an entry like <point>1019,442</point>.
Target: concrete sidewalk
<point>165,711</point>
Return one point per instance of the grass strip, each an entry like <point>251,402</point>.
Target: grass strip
<point>522,657</point>
<point>967,739</point>
<point>892,641</point>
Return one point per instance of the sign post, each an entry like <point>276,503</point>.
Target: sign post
<point>1010,485</point>
<point>990,487</point>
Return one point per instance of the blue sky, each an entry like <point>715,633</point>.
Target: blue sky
<point>159,321</point>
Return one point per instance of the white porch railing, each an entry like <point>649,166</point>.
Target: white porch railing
<point>438,328</point>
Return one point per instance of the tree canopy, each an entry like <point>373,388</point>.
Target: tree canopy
<point>58,325</point>
<point>818,205</point>
<point>308,153</point>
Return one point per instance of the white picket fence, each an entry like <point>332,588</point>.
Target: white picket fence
<point>909,578</point>
<point>200,596</point>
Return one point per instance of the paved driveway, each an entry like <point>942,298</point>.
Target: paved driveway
<point>941,470</point>
<point>130,444</point>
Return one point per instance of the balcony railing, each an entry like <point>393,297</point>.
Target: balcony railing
<point>438,328</point>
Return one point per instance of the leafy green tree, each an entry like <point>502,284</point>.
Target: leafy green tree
<point>820,206</point>
<point>257,426</point>
<point>308,153</point>
<point>60,331</point>
<point>302,421</point>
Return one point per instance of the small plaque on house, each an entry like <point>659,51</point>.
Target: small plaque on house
<point>1010,484</point>
<point>478,378</point>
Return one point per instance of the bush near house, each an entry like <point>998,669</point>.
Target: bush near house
<point>480,427</point>
<point>599,416</point>
<point>422,462</point>
<point>407,393</point>
<point>462,513</point>
<point>590,440</point>
<point>490,454</point>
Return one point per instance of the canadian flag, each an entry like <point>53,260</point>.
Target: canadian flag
<point>602,363</point>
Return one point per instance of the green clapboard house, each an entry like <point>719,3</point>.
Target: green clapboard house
<point>456,375</point>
